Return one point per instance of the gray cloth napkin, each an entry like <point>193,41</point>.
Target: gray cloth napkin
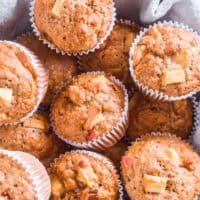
<point>14,18</point>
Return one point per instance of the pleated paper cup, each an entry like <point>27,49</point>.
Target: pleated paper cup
<point>55,48</point>
<point>98,156</point>
<point>154,134</point>
<point>35,170</point>
<point>146,90</point>
<point>42,81</point>
<point>108,139</point>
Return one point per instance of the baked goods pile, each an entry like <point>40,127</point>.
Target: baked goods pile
<point>89,98</point>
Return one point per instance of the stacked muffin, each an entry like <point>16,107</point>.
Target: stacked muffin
<point>49,107</point>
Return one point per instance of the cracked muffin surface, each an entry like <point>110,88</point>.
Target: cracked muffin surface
<point>87,108</point>
<point>82,176</point>
<point>167,59</point>
<point>73,25</point>
<point>113,55</point>
<point>146,116</point>
<point>15,183</point>
<point>61,68</point>
<point>32,136</point>
<point>161,167</point>
<point>18,83</point>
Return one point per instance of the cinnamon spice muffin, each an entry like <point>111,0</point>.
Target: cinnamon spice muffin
<point>72,25</point>
<point>116,152</point>
<point>161,167</point>
<point>167,59</point>
<point>15,182</point>
<point>152,116</point>
<point>32,136</point>
<point>61,68</point>
<point>82,175</point>
<point>18,83</point>
<point>113,55</point>
<point>87,108</point>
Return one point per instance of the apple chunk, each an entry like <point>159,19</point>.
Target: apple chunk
<point>35,123</point>
<point>6,95</point>
<point>57,8</point>
<point>154,184</point>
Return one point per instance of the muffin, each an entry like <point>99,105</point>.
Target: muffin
<point>113,55</point>
<point>23,83</point>
<point>83,175</point>
<point>61,68</point>
<point>166,59</point>
<point>147,116</point>
<point>22,177</point>
<point>73,26</point>
<point>116,152</point>
<point>161,167</point>
<point>89,107</point>
<point>32,136</point>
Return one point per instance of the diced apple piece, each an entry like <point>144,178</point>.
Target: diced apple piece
<point>3,116</point>
<point>154,184</point>
<point>173,76</point>
<point>127,161</point>
<point>94,117</point>
<point>6,95</point>
<point>181,58</point>
<point>36,123</point>
<point>94,135</point>
<point>56,186</point>
<point>57,8</point>
<point>75,95</point>
<point>128,42</point>
<point>171,153</point>
<point>87,176</point>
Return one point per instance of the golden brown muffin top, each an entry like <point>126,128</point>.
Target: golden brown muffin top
<point>151,116</point>
<point>73,25</point>
<point>18,85</point>
<point>61,68</point>
<point>116,152</point>
<point>32,136</point>
<point>161,167</point>
<point>15,182</point>
<point>83,177</point>
<point>87,108</point>
<point>113,55</point>
<point>167,59</point>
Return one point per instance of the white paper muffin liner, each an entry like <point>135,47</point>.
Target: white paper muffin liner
<point>108,139</point>
<point>98,156</point>
<point>53,47</point>
<point>156,94</point>
<point>42,81</point>
<point>36,171</point>
<point>154,134</point>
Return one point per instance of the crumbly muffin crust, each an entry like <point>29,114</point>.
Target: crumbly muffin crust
<point>32,136</point>
<point>116,152</point>
<point>15,182</point>
<point>167,59</point>
<point>113,55</point>
<point>82,176</point>
<point>151,116</point>
<point>87,108</point>
<point>18,84</point>
<point>161,167</point>
<point>61,68</point>
<point>73,25</point>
